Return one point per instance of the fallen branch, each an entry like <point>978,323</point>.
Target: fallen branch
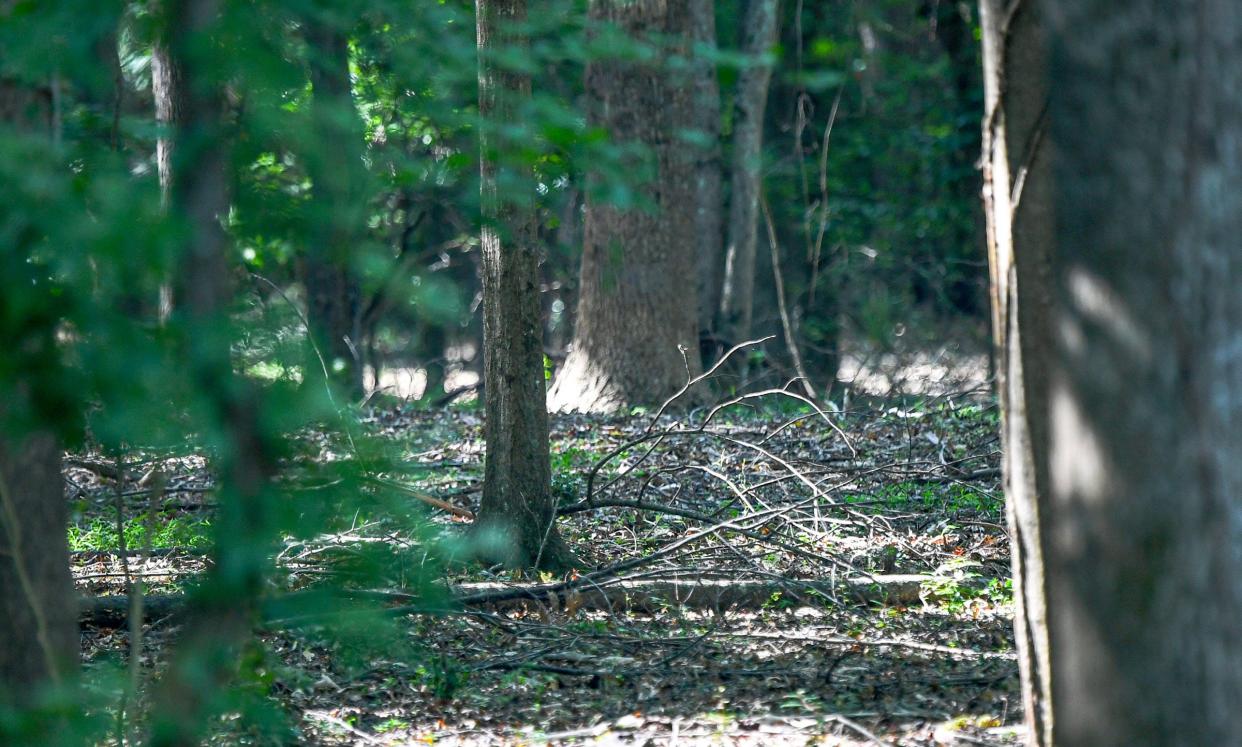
<point>634,595</point>
<point>430,500</point>
<point>716,595</point>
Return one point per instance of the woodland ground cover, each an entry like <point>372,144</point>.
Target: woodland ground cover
<point>772,574</point>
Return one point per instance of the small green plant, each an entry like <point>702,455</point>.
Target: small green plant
<point>957,585</point>
<point>778,601</point>
<point>802,701</point>
<point>100,535</point>
<point>910,496</point>
<point>392,724</point>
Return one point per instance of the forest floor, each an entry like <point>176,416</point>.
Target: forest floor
<point>775,575</point>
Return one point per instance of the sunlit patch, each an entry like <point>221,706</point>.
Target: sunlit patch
<point>1102,305</point>
<point>1072,338</point>
<point>1079,467</point>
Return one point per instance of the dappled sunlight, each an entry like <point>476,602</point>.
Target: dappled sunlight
<point>1079,466</point>
<point>1093,301</point>
<point>410,384</point>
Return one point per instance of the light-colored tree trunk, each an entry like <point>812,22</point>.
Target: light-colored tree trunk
<point>1015,96</point>
<point>709,200</point>
<point>337,216</point>
<point>1116,269</point>
<point>737,301</point>
<point>168,90</point>
<point>517,517</point>
<point>636,337</point>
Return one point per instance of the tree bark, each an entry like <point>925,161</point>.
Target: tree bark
<point>334,163</point>
<point>708,221</point>
<point>38,608</point>
<point>636,335</point>
<point>168,90</point>
<point>1015,93</point>
<point>1117,270</point>
<point>517,517</point>
<point>737,301</point>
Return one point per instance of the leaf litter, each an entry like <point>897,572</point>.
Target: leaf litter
<point>777,502</point>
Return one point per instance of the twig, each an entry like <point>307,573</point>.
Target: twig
<point>701,428</point>
<point>342,724</point>
<point>430,500</point>
<point>818,245</point>
<point>310,338</point>
<point>859,728</point>
<point>706,374</point>
<point>790,342</point>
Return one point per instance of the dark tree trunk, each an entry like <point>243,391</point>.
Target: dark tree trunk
<point>1117,269</point>
<point>223,608</point>
<point>708,219</point>
<point>737,300</point>
<point>517,518</point>
<point>954,28</point>
<point>38,609</point>
<point>334,162</point>
<point>636,334</point>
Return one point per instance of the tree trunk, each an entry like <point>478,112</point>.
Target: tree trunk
<point>1116,284</point>
<point>1015,95</point>
<point>222,609</point>
<point>334,163</point>
<point>38,608</point>
<point>737,302</point>
<point>517,516</point>
<point>168,90</point>
<point>167,87</point>
<point>636,335</point>
<point>954,28</point>
<point>708,221</point>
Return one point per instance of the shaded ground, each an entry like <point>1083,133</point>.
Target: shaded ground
<point>766,490</point>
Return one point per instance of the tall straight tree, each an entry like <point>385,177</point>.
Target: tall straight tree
<point>737,298</point>
<point>334,162</point>
<point>708,221</point>
<point>636,336</point>
<point>168,91</point>
<point>1015,100</point>
<point>38,613</point>
<point>517,518</point>
<point>1117,265</point>
<point>221,612</point>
